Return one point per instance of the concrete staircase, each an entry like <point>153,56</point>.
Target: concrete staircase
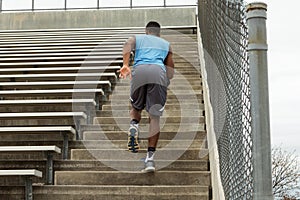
<point>100,167</point>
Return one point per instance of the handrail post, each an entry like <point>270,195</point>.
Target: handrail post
<point>259,98</point>
<point>28,189</point>
<point>0,6</point>
<point>130,4</point>
<point>32,5</point>
<point>65,4</point>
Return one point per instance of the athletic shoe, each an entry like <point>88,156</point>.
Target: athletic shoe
<point>133,143</point>
<point>149,166</point>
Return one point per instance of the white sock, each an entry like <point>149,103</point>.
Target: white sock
<point>150,156</point>
<point>135,125</point>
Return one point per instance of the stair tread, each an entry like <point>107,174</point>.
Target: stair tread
<point>132,178</point>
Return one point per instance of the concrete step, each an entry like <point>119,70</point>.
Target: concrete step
<point>144,127</point>
<point>91,132</point>
<point>188,95</point>
<point>145,120</point>
<point>177,48</point>
<point>177,100</point>
<point>122,104</point>
<point>174,99</point>
<point>117,192</point>
<point>122,144</point>
<point>175,81</point>
<point>120,154</point>
<point>178,75</point>
<point>182,105</point>
<point>180,37</point>
<point>178,89</point>
<point>166,135</point>
<point>182,70</point>
<point>187,55</point>
<point>184,54</point>
<point>170,112</point>
<point>106,165</point>
<point>178,85</point>
<point>185,59</point>
<point>128,196</point>
<point>169,106</point>
<point>131,178</point>
<point>174,90</point>
<point>103,144</point>
<point>109,165</point>
<point>187,72</point>
<point>108,192</point>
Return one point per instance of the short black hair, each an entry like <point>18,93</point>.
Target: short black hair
<point>153,27</point>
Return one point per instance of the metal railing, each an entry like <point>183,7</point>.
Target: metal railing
<point>225,40</point>
<point>65,5</point>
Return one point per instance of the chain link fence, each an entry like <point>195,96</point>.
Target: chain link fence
<point>225,37</point>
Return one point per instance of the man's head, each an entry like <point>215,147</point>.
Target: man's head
<point>153,28</point>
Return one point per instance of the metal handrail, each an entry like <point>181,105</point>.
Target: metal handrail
<point>97,7</point>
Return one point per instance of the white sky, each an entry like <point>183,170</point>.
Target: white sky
<point>284,52</point>
<point>284,72</point>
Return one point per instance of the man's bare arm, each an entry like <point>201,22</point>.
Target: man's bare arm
<point>127,48</point>
<point>169,63</point>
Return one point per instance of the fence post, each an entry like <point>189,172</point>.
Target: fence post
<point>260,122</point>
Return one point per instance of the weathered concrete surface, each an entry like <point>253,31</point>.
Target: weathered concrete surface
<point>97,18</point>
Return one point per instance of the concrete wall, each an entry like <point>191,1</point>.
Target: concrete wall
<point>97,18</point>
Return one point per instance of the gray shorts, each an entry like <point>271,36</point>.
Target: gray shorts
<point>149,89</point>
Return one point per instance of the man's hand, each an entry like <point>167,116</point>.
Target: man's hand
<point>125,71</point>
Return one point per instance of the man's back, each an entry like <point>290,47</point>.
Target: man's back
<point>150,49</point>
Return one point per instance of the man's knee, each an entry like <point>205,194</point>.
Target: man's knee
<point>156,110</point>
<point>154,117</point>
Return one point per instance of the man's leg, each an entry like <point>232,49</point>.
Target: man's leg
<point>154,131</point>
<point>133,132</point>
<point>135,114</point>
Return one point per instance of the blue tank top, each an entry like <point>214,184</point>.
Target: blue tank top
<point>150,49</point>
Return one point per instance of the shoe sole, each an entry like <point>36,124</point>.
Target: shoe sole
<point>133,144</point>
<point>149,170</point>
